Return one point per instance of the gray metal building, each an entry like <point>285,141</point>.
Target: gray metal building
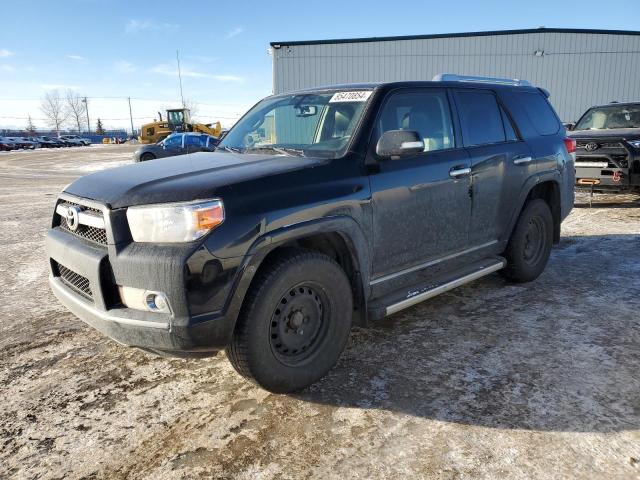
<point>579,67</point>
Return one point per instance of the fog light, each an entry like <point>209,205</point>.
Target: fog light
<point>140,299</point>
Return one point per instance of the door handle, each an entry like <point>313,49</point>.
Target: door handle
<point>522,160</point>
<point>457,172</point>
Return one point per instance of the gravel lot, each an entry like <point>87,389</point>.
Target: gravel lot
<point>488,381</point>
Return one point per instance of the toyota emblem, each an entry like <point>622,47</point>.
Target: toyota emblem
<point>72,218</point>
<point>591,146</point>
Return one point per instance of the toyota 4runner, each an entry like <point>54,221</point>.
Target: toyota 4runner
<point>319,208</point>
<point>608,147</point>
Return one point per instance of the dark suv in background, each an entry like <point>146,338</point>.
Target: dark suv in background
<point>318,208</point>
<point>608,147</point>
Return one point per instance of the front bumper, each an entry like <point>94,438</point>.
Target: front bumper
<point>102,268</point>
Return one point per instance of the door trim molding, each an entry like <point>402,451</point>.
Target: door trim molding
<point>430,263</point>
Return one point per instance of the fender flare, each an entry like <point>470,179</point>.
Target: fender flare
<point>532,181</point>
<point>345,226</point>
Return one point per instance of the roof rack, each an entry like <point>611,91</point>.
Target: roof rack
<point>452,77</point>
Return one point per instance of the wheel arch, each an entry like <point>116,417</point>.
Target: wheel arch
<point>340,238</point>
<point>545,187</point>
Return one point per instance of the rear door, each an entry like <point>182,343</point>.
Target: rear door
<point>500,163</point>
<point>421,206</point>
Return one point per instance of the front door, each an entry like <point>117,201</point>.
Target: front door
<point>421,203</point>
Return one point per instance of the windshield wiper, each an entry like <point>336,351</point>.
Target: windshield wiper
<point>230,149</point>
<point>289,152</point>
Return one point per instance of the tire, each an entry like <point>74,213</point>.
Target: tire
<point>301,291</point>
<point>530,244</point>
<point>146,157</point>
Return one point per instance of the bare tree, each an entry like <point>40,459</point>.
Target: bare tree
<point>193,107</point>
<point>76,108</point>
<point>52,106</point>
<point>31,129</point>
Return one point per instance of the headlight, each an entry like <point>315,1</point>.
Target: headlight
<point>174,222</point>
<point>635,143</point>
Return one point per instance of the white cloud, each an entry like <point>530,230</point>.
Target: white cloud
<point>234,32</point>
<point>7,68</point>
<point>5,53</point>
<point>75,57</point>
<point>169,70</point>
<point>122,66</point>
<point>136,26</point>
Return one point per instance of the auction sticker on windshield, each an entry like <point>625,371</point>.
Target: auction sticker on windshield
<point>361,96</point>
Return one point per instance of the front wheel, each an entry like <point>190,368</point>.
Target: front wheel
<point>530,244</point>
<point>294,323</point>
<point>146,157</point>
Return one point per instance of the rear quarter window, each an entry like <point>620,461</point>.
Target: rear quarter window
<point>539,112</point>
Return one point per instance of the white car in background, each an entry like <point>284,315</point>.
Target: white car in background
<point>76,139</point>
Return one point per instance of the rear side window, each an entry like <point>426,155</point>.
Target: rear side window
<point>192,140</point>
<point>480,117</point>
<point>539,111</point>
<point>508,127</point>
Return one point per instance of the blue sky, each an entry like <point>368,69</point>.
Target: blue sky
<point>119,49</point>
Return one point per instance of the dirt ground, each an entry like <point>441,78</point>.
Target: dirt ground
<point>491,380</point>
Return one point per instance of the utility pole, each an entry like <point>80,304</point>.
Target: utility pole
<point>86,109</point>
<point>133,133</point>
<point>180,77</point>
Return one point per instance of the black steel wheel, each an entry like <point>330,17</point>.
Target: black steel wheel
<point>530,244</point>
<point>294,323</point>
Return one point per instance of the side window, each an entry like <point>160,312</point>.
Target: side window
<point>480,117</point>
<point>173,141</point>
<point>539,111</point>
<point>426,112</point>
<point>192,141</point>
<point>508,127</point>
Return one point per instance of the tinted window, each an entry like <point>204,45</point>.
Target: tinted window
<point>173,141</point>
<point>426,112</point>
<point>480,117</point>
<point>539,111</point>
<point>193,141</point>
<point>508,127</point>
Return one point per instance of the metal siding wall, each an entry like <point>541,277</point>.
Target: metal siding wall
<point>578,69</point>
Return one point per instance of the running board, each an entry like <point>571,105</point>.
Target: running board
<point>398,301</point>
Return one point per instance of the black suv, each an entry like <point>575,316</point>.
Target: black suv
<point>318,208</point>
<point>608,147</point>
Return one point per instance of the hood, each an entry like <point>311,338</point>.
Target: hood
<point>613,133</point>
<point>187,177</point>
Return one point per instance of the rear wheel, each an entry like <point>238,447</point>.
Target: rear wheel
<point>530,244</point>
<point>294,323</point>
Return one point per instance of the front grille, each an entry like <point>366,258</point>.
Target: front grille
<point>75,281</point>
<point>93,234</point>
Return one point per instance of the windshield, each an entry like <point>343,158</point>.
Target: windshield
<point>614,116</point>
<point>314,124</point>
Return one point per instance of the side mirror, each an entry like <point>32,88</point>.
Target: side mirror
<point>394,144</point>
<point>569,126</point>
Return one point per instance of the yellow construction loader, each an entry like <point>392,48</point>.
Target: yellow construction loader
<point>178,120</point>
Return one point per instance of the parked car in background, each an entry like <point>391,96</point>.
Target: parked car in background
<point>6,145</point>
<point>16,144</point>
<point>47,142</point>
<point>608,147</point>
<point>70,142</point>
<point>177,144</point>
<point>319,208</point>
<point>76,139</point>
<point>31,141</point>
<point>57,142</point>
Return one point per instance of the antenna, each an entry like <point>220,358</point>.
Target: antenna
<point>180,77</point>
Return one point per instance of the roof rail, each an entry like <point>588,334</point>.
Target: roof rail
<point>452,77</point>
